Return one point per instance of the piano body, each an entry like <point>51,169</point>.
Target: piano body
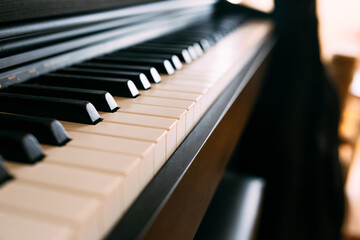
<point>156,160</point>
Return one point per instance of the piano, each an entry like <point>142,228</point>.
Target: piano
<point>118,120</point>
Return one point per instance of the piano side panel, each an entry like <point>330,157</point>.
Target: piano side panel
<point>183,212</point>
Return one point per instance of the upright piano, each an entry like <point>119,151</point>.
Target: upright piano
<point>118,118</point>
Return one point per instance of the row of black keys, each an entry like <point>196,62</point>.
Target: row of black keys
<point>76,93</point>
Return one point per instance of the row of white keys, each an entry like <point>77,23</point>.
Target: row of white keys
<point>107,156</point>
<point>84,191</point>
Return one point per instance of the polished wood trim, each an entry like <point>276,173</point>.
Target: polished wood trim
<point>183,212</point>
<point>143,213</point>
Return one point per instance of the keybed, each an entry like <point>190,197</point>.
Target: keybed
<point>81,189</point>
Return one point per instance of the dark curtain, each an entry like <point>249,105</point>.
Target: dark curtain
<point>291,139</point>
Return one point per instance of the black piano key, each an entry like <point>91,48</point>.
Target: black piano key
<point>214,34</point>
<point>204,41</point>
<point>163,66</point>
<point>173,59</point>
<point>150,72</point>
<point>64,109</point>
<point>140,79</point>
<point>102,100</point>
<point>46,130</point>
<point>4,174</point>
<point>190,49</point>
<point>116,87</point>
<point>186,44</point>
<point>20,147</point>
<point>182,54</point>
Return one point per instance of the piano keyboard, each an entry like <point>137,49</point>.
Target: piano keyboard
<point>81,189</point>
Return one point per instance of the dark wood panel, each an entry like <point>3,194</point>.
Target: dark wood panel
<point>183,212</point>
<point>143,214</point>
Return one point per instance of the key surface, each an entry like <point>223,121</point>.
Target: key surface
<point>102,100</point>
<point>159,111</point>
<point>64,109</point>
<point>107,188</point>
<point>198,98</point>
<point>20,147</point>
<point>151,73</point>
<point>15,225</point>
<point>142,149</point>
<point>173,59</point>
<point>173,103</point>
<point>140,79</point>
<point>148,121</point>
<point>162,66</point>
<point>204,42</point>
<point>182,54</point>
<point>156,136</point>
<point>134,171</point>
<point>4,173</point>
<point>78,211</point>
<point>46,130</point>
<point>193,54</point>
<point>195,46</point>
<point>117,87</point>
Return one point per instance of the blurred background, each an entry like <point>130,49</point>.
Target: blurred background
<point>339,32</point>
<point>339,35</point>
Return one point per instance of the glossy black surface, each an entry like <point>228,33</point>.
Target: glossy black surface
<point>46,130</point>
<point>63,109</point>
<point>20,147</point>
<point>150,72</point>
<point>163,66</point>
<point>117,87</point>
<point>4,174</point>
<point>102,100</point>
<point>175,61</point>
<point>138,78</point>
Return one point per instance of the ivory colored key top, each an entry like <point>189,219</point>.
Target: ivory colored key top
<point>145,150</point>
<point>186,77</point>
<point>174,113</point>
<point>30,228</point>
<point>134,170</point>
<point>147,121</point>
<point>156,136</point>
<point>173,103</point>
<point>81,212</point>
<point>198,98</point>
<point>107,188</point>
<point>189,89</point>
<point>185,82</point>
<point>179,88</point>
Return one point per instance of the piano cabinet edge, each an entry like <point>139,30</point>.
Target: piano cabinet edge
<point>182,214</point>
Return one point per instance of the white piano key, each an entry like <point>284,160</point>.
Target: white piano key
<point>134,170</point>
<point>107,188</point>
<point>173,103</point>
<point>156,136</point>
<point>145,150</point>
<point>196,97</point>
<point>167,112</point>
<point>82,213</point>
<point>182,88</point>
<point>14,226</point>
<point>147,121</point>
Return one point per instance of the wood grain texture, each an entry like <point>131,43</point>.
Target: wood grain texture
<point>181,216</point>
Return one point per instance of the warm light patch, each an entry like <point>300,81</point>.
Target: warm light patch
<point>355,84</point>
<point>261,5</point>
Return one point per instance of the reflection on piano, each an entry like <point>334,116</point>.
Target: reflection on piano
<point>105,117</point>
